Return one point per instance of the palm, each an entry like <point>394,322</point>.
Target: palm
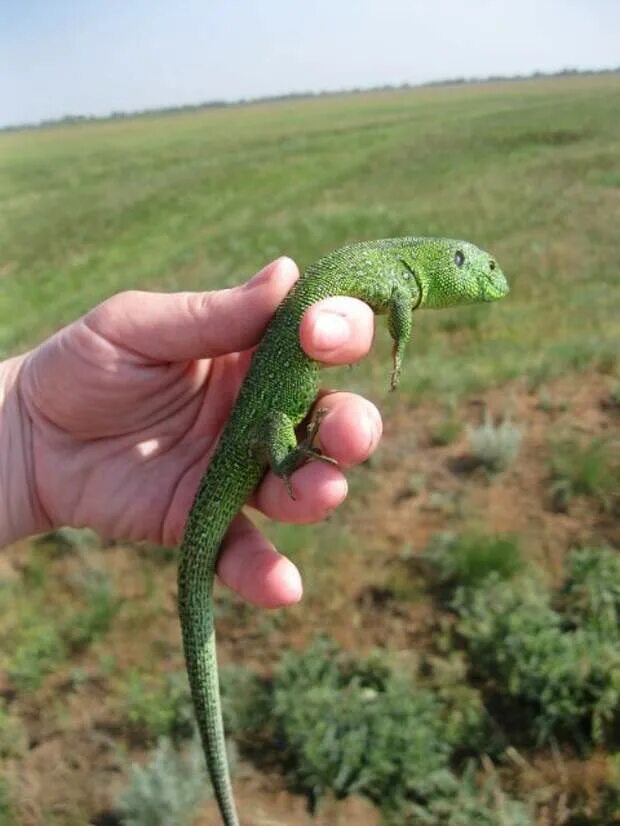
<point>121,440</point>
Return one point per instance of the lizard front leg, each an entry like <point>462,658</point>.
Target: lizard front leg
<point>274,440</point>
<point>400,312</point>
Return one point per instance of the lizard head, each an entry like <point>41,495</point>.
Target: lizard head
<point>451,273</point>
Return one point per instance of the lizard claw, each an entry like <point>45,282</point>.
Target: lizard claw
<point>289,487</point>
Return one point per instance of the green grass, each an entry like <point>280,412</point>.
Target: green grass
<point>13,735</point>
<point>585,468</point>
<point>446,429</point>
<point>90,624</point>
<point>159,707</point>
<point>45,620</point>
<point>7,814</point>
<point>39,651</point>
<point>468,559</point>
<point>202,200</point>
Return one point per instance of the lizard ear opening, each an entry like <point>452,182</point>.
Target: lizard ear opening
<point>411,274</point>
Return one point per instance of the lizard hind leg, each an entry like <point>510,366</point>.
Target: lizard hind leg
<point>275,441</point>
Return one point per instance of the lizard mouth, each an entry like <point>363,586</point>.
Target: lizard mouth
<point>493,287</point>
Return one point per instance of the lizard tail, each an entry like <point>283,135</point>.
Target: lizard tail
<point>222,492</point>
<point>204,532</point>
<point>196,612</point>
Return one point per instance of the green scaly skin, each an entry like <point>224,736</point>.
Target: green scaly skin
<point>394,276</point>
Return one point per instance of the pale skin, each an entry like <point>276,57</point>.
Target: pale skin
<point>110,423</point>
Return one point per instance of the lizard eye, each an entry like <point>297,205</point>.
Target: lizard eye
<point>459,258</point>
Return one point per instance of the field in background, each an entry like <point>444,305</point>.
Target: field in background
<point>528,170</point>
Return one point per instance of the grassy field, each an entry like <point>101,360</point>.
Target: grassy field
<point>529,170</point>
<point>460,522</point>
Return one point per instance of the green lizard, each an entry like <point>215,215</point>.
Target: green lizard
<point>394,276</point>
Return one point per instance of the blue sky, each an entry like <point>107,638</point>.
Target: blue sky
<point>90,57</point>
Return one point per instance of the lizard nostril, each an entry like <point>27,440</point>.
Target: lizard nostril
<point>492,264</point>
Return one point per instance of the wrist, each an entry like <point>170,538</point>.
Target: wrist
<point>20,512</point>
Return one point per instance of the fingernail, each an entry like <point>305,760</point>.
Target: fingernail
<point>282,263</point>
<point>331,331</point>
<point>261,275</point>
<point>372,431</point>
<point>292,588</point>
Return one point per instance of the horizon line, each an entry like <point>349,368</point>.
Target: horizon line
<point>76,119</point>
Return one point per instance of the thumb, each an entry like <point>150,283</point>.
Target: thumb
<point>185,326</point>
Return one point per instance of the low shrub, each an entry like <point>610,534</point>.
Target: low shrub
<point>566,681</point>
<point>591,592</point>
<point>168,790</point>
<point>466,802</point>
<point>495,446</point>
<point>357,726</point>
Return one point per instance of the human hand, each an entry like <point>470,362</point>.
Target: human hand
<point>124,407</point>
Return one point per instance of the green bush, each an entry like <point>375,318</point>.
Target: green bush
<point>468,559</point>
<point>495,447</point>
<point>357,726</point>
<point>464,802</point>
<point>468,728</point>
<point>168,790</point>
<point>563,679</point>
<point>591,592</point>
